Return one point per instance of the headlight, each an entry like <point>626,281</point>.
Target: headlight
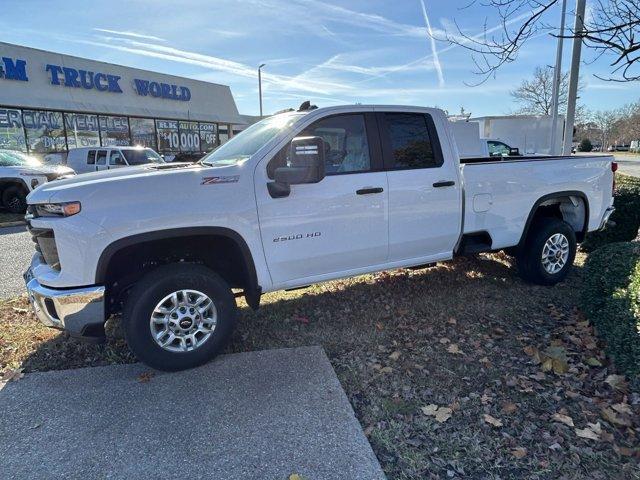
<point>65,209</point>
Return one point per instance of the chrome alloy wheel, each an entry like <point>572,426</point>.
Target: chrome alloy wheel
<point>555,253</point>
<point>183,321</point>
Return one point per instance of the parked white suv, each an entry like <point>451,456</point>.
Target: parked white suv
<point>95,159</point>
<point>295,199</point>
<point>20,174</point>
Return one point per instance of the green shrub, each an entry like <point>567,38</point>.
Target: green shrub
<point>611,300</point>
<point>585,145</point>
<point>626,216</point>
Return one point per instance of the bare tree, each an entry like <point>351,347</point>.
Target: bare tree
<point>612,30</point>
<point>534,96</point>
<point>607,122</point>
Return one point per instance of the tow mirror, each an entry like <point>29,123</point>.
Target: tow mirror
<point>305,165</point>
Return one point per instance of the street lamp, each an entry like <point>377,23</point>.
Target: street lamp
<point>260,86</point>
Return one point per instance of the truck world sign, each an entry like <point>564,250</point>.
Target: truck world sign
<point>16,69</point>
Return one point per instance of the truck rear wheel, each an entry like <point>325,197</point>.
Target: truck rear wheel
<point>548,253</point>
<point>179,316</point>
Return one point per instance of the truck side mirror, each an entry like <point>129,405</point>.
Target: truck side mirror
<point>305,165</point>
<point>514,152</point>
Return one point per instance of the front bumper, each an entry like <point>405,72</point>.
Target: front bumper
<point>80,311</point>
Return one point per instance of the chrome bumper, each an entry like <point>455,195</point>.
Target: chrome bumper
<point>74,310</point>
<point>605,217</point>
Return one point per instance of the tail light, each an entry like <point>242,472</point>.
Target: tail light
<point>614,169</point>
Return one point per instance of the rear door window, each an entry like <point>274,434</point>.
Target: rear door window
<point>410,141</point>
<point>101,157</point>
<point>91,157</point>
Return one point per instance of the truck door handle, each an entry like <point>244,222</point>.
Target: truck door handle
<point>369,190</point>
<point>448,183</point>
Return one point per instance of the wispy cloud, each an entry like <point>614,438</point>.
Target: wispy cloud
<point>280,82</point>
<point>125,33</point>
<point>434,50</point>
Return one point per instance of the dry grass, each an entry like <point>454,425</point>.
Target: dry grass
<point>389,339</point>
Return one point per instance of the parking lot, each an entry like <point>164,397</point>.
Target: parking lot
<point>16,249</point>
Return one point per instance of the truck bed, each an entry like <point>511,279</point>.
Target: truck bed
<point>500,192</point>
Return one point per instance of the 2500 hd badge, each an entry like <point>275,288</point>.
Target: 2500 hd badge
<point>297,236</point>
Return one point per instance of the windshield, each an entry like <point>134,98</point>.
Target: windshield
<point>142,156</point>
<point>10,158</point>
<point>249,141</point>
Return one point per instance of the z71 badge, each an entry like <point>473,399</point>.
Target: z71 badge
<point>224,179</point>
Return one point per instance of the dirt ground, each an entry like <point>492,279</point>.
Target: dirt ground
<point>457,371</point>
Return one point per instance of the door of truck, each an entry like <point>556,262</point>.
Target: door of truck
<point>101,160</point>
<point>425,212</point>
<point>335,226</point>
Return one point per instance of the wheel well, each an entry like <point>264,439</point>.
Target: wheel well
<point>6,183</point>
<point>125,262</point>
<point>571,207</point>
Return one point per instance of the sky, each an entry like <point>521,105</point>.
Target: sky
<point>330,52</point>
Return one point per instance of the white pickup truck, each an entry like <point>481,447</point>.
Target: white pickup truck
<point>19,174</point>
<point>297,198</point>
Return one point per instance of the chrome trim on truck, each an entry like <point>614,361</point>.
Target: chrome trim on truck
<point>605,217</point>
<point>69,309</point>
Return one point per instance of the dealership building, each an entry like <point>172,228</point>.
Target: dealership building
<point>51,103</point>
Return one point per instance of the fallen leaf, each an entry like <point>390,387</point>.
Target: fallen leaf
<point>452,321</point>
<point>453,348</point>
<point>295,476</point>
<point>509,408</point>
<point>566,419</point>
<point>519,452</point>
<point>492,420</point>
<point>531,350</point>
<point>485,399</point>
<point>444,340</point>
<point>592,432</point>
<point>395,355</point>
<point>593,362</point>
<point>20,310</point>
<point>441,414</point>
<point>617,382</point>
<point>430,409</point>
<point>612,417</point>
<point>386,370</point>
<point>623,408</point>
<point>144,377</point>
<point>626,451</point>
<point>379,326</point>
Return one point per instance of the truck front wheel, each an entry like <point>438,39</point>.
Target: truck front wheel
<point>179,316</point>
<point>548,253</point>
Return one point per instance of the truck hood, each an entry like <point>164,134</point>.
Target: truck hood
<point>107,182</point>
<point>47,170</point>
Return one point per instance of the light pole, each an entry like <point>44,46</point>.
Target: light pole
<point>557,81</point>
<point>260,86</point>
<point>578,30</point>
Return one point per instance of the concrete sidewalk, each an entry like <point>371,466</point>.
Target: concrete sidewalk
<point>259,415</point>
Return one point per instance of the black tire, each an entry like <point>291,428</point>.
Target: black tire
<point>14,199</point>
<point>529,259</point>
<point>155,286</point>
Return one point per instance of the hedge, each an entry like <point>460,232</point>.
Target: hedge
<point>611,300</point>
<point>626,216</point>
